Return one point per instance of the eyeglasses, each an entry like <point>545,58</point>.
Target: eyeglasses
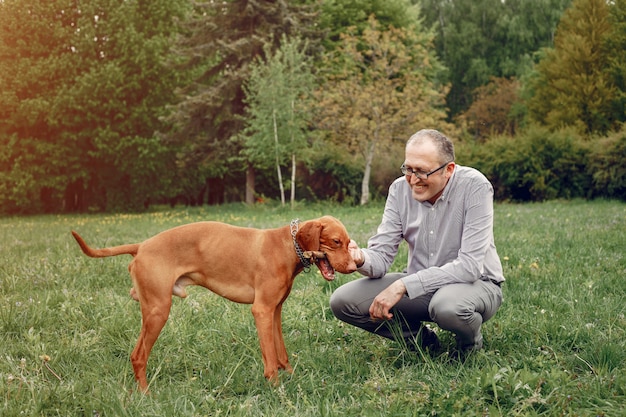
<point>420,174</point>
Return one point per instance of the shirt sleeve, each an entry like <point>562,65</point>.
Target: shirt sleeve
<point>383,246</point>
<point>476,239</point>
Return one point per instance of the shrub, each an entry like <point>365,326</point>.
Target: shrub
<point>607,167</point>
<point>536,165</point>
<point>329,178</point>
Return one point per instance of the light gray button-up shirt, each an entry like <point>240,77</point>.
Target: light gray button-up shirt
<point>450,241</point>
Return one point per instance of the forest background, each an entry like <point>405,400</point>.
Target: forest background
<point>116,105</point>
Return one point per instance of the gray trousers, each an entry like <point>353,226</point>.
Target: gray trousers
<point>458,308</point>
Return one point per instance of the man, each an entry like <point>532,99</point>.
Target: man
<point>444,212</point>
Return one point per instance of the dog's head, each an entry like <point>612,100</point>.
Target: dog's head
<point>327,235</point>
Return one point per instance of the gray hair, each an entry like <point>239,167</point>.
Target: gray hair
<point>441,141</point>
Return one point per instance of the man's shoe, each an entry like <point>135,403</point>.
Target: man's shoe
<point>427,340</point>
<point>459,355</point>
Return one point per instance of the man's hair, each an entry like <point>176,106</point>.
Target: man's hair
<point>441,141</point>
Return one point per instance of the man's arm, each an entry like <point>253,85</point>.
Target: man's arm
<point>383,246</point>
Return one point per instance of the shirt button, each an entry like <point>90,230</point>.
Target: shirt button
<point>432,231</point>
<point>432,254</point>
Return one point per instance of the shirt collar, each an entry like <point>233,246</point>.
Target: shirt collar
<point>446,190</point>
<point>449,186</point>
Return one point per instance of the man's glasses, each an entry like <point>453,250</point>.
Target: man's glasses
<point>420,174</point>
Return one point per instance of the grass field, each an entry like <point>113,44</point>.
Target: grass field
<point>557,347</point>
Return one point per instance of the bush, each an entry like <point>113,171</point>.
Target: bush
<point>607,167</point>
<point>536,165</point>
<point>329,178</point>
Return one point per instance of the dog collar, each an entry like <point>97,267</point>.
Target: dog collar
<point>294,231</point>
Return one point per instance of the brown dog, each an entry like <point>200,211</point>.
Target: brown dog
<point>244,265</point>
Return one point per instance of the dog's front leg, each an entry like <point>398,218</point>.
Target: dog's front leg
<point>279,342</point>
<point>264,321</point>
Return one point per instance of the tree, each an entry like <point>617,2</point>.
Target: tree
<point>571,85</point>
<point>478,40</point>
<point>83,86</point>
<point>221,40</point>
<point>493,110</point>
<point>616,48</point>
<point>377,87</point>
<point>126,73</point>
<point>34,57</point>
<point>276,116</point>
<point>338,15</point>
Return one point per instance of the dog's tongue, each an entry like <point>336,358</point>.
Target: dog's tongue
<point>326,269</point>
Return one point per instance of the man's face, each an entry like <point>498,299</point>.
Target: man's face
<point>423,157</point>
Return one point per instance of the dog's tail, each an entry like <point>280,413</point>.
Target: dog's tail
<point>130,249</point>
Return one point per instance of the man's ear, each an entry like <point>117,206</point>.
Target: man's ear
<point>450,168</point>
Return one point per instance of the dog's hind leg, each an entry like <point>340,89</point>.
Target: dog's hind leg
<point>153,318</point>
<point>155,299</point>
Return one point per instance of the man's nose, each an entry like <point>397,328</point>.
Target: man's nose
<point>414,179</point>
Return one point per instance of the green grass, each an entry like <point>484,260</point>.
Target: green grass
<point>556,347</point>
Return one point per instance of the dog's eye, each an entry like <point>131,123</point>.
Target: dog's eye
<point>337,242</point>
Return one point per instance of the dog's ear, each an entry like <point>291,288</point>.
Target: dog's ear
<point>308,235</point>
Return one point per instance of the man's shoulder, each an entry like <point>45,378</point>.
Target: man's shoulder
<point>397,181</point>
<point>465,173</point>
<point>399,185</point>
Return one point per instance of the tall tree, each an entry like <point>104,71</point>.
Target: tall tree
<point>125,71</point>
<point>85,85</point>
<point>338,15</point>
<point>222,39</point>
<point>478,40</point>
<point>35,57</point>
<point>493,111</point>
<point>616,48</point>
<point>377,87</point>
<point>276,116</point>
<point>571,86</point>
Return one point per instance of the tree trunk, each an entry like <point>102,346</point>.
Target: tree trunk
<point>280,175</point>
<point>293,180</point>
<point>250,184</point>
<point>365,183</point>
<point>293,162</point>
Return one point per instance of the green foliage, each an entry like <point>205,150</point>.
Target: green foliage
<point>329,176</point>
<point>535,165</point>
<point>376,87</point>
<point>338,15</point>
<point>34,58</point>
<point>117,101</point>
<point>572,85</point>
<point>218,43</point>
<point>557,346</point>
<point>277,116</point>
<point>616,49</point>
<point>482,39</point>
<point>114,105</point>
<point>606,166</point>
<point>493,110</point>
<point>84,90</point>
<point>278,89</point>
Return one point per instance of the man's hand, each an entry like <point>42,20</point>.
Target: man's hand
<point>356,253</point>
<point>389,297</point>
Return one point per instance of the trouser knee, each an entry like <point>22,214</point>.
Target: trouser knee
<point>446,316</point>
<point>337,305</point>
<point>342,306</point>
